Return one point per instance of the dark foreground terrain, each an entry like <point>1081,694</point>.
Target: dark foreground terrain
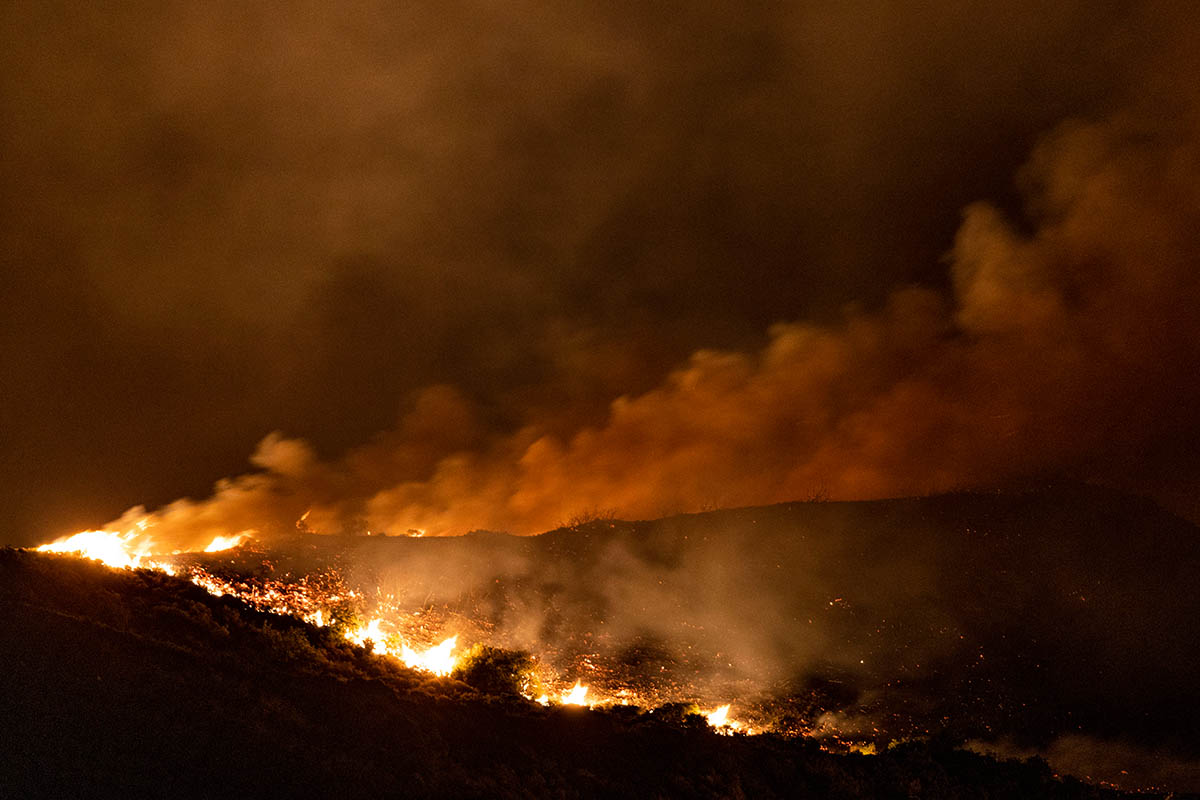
<point>1062,621</point>
<point>133,683</point>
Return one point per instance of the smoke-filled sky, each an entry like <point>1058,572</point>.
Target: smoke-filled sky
<point>494,265</point>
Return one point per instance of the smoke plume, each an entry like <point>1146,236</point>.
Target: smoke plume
<point>1065,346</point>
<point>649,260</point>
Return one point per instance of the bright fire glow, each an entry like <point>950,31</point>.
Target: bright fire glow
<point>439,660</point>
<point>719,719</point>
<point>226,542</point>
<point>371,632</point>
<point>315,599</point>
<point>577,696</point>
<point>129,549</point>
<point>112,548</point>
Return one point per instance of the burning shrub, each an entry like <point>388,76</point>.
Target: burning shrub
<point>496,671</point>
<point>344,616</point>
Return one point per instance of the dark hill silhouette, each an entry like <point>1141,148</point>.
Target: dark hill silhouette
<point>1016,617</point>
<point>122,684</point>
<point>1080,603</point>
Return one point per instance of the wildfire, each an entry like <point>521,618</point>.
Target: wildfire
<point>128,549</point>
<point>226,542</point>
<point>577,696</point>
<point>131,549</point>
<point>109,547</point>
<point>321,599</point>
<point>439,660</point>
<point>371,632</point>
<point>719,720</point>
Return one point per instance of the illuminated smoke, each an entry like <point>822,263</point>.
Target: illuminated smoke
<point>548,210</point>
<point>1065,350</point>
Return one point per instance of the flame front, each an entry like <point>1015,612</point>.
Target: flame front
<point>371,632</point>
<point>226,542</point>
<point>109,547</point>
<point>439,660</point>
<point>319,600</point>
<point>577,696</point>
<point>719,720</point>
<point>128,549</point>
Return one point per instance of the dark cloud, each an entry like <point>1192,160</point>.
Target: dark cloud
<point>224,220</point>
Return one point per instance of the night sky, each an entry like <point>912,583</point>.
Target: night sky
<point>496,265</point>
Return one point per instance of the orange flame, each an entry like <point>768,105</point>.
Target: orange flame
<point>577,696</point>
<point>439,660</point>
<point>226,542</point>
<point>120,550</point>
<point>371,632</point>
<point>719,718</point>
<point>313,602</point>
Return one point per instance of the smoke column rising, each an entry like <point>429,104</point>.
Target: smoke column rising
<point>1067,349</point>
<point>220,221</point>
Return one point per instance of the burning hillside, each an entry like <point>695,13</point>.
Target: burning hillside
<point>124,683</point>
<point>536,324</point>
<point>1047,623</point>
<point>320,594</point>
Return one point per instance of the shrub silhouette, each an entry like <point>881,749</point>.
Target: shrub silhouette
<point>495,671</point>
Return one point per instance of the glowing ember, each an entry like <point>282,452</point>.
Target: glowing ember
<point>112,548</point>
<point>577,696</point>
<point>226,542</point>
<point>309,598</point>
